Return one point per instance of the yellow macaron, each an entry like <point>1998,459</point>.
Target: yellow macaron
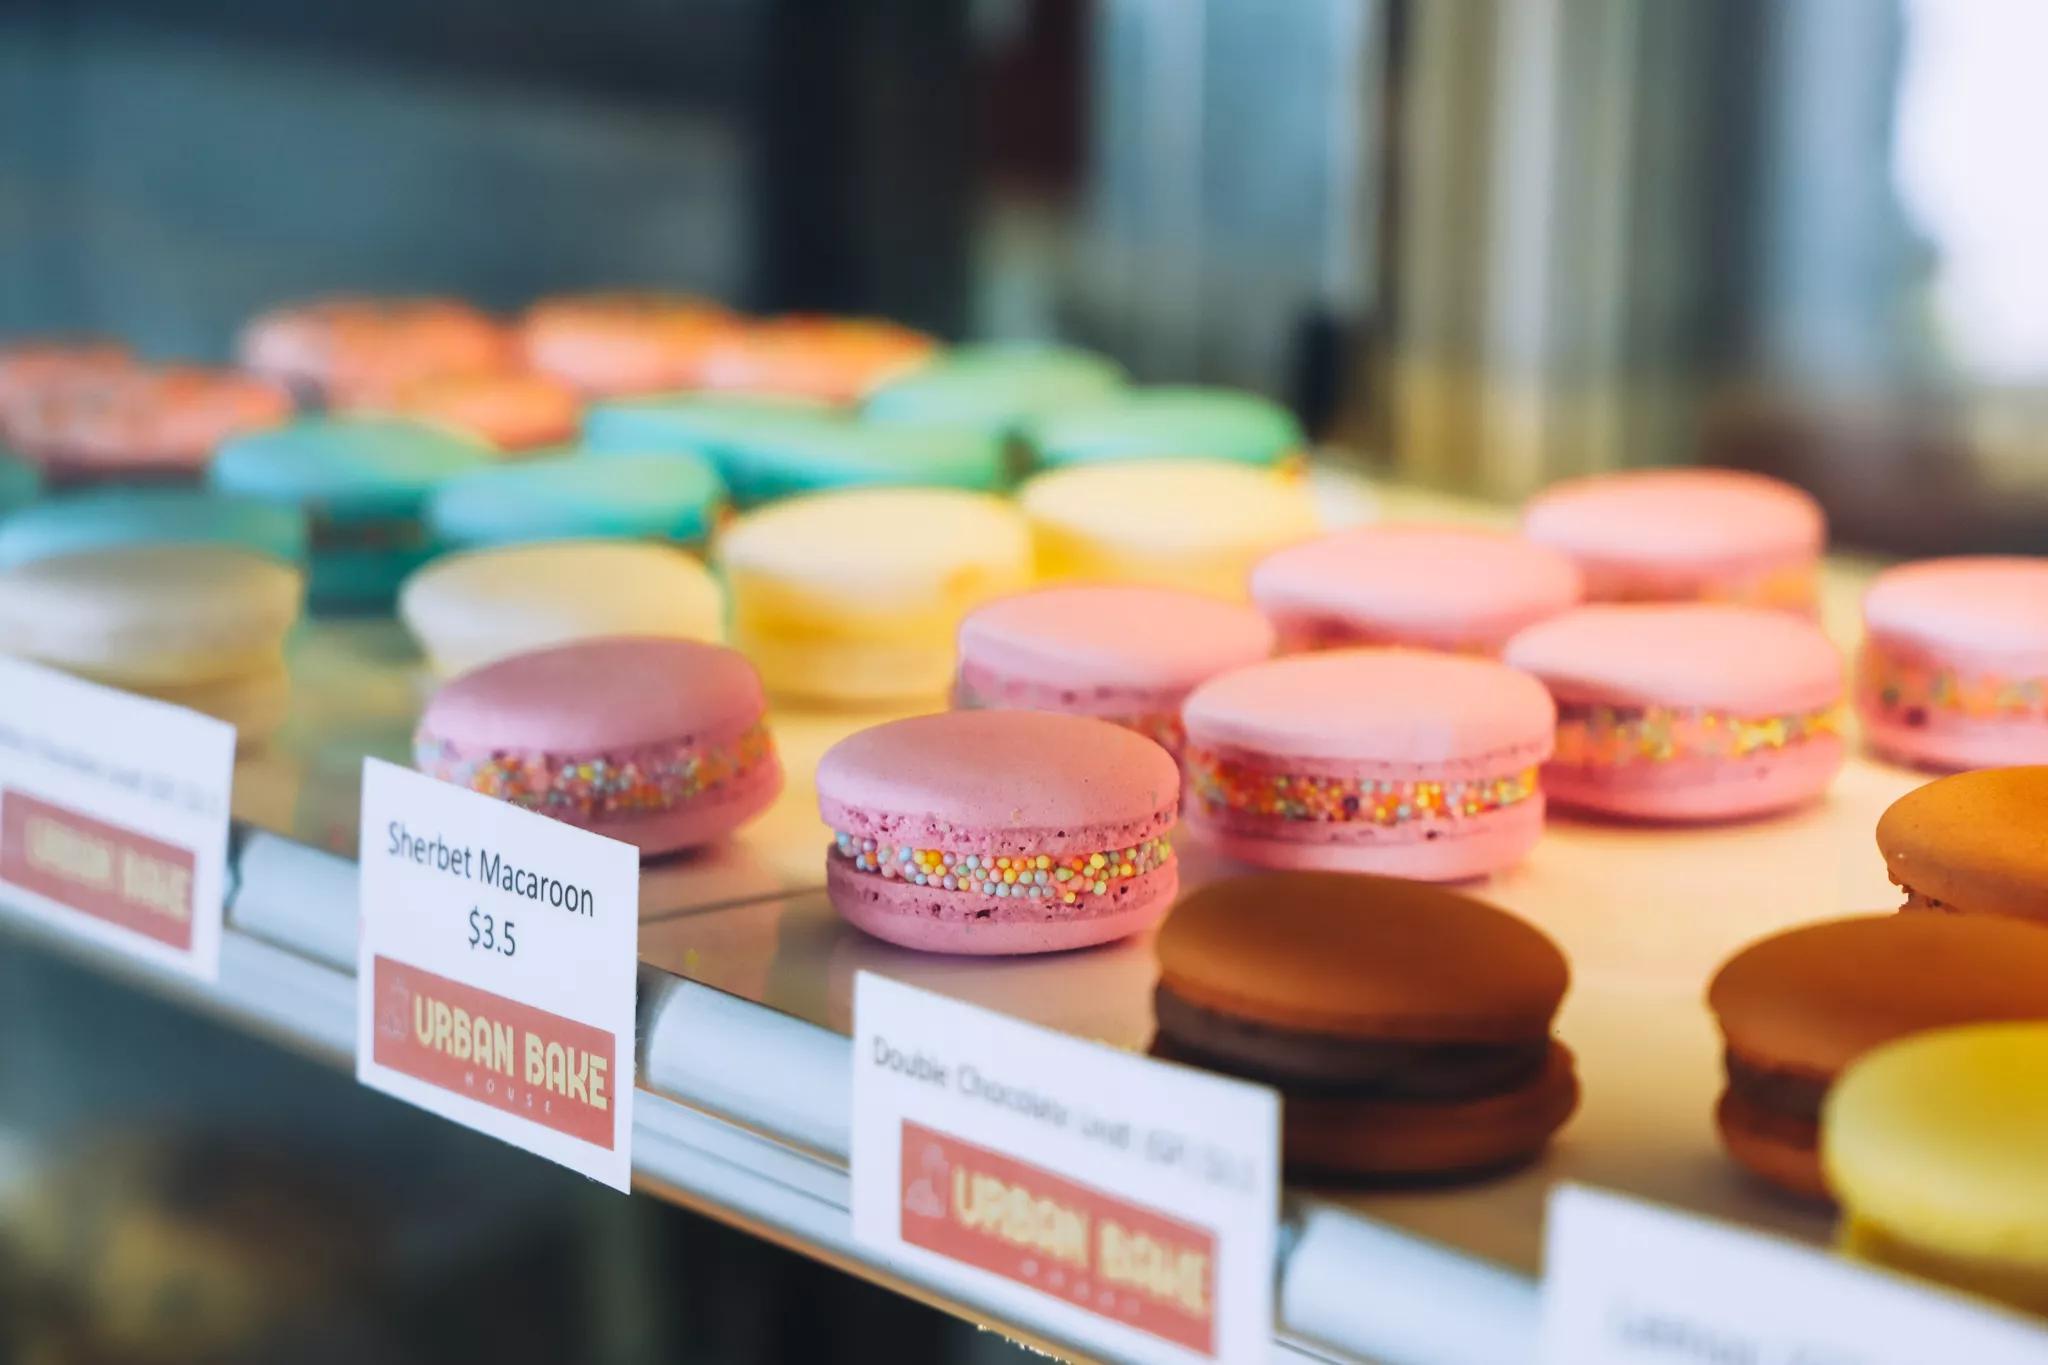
<point>854,596</point>
<point>1936,1147</point>
<point>1193,524</point>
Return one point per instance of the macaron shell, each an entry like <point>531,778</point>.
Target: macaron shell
<point>1679,522</point>
<point>911,916</point>
<point>1937,1140</point>
<point>1701,789</point>
<point>1745,660</point>
<point>1478,847</point>
<point>473,607</point>
<point>995,388</point>
<point>150,615</point>
<point>1814,998</point>
<point>1975,841</point>
<point>1171,421</point>
<point>255,703</point>
<point>598,695</point>
<point>1362,1137</point>
<point>1438,586</point>
<point>1779,1149</point>
<point>671,496</point>
<point>1427,712</point>
<point>106,518</point>
<point>1118,637</point>
<point>1993,608</point>
<point>347,466</point>
<point>996,780</point>
<point>1362,957</point>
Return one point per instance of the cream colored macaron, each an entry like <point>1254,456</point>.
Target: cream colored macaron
<point>472,608</point>
<point>854,596</point>
<point>199,625</point>
<point>1194,524</point>
<point>1936,1147</point>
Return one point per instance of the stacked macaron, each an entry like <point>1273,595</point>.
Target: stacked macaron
<point>1954,669</point>
<point>1799,1007</point>
<point>1682,535</point>
<point>1435,778</point>
<point>1407,1026</point>
<point>1194,524</point>
<point>1436,587</point>
<point>660,743</point>
<point>1933,1146</point>
<point>200,625</point>
<point>475,606</point>
<point>1129,655</point>
<point>998,832</point>
<point>1687,711</point>
<point>1973,843</point>
<point>854,596</point>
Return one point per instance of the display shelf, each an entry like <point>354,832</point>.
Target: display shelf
<point>746,990</point>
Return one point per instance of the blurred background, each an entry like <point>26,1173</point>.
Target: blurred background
<point>1478,244</point>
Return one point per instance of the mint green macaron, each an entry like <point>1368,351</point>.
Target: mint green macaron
<point>1169,422</point>
<point>997,388</point>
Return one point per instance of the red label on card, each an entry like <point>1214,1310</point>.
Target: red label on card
<point>1073,1242</point>
<point>513,1057</point>
<point>111,873</point>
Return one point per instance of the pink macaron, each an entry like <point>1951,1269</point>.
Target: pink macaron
<point>1683,535</point>
<point>1125,654</point>
<point>1438,587</point>
<point>1395,761</point>
<point>999,831</point>
<point>656,742</point>
<point>1687,710</point>
<point>1954,669</point>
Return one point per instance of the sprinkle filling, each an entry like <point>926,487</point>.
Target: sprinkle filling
<point>1590,735</point>
<point>642,782</point>
<point>1064,879</point>
<point>1222,784</point>
<point>1908,690</point>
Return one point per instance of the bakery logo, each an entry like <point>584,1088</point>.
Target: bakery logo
<point>554,1071</point>
<point>1063,1239</point>
<point>103,870</point>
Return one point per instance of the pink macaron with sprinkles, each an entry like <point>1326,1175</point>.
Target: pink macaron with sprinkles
<point>1126,654</point>
<point>1403,762</point>
<point>1454,588</point>
<point>1687,711</point>
<point>1684,535</point>
<point>1954,668</point>
<point>659,743</point>
<point>995,832</point>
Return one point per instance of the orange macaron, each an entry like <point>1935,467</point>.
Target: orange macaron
<point>1974,842</point>
<point>358,352</point>
<point>1798,1007</point>
<point>624,342</point>
<point>831,359</point>
<point>144,422</point>
<point>1406,1025</point>
<point>514,411</point>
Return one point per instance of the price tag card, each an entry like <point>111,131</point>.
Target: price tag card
<point>114,816</point>
<point>1130,1202</point>
<point>496,966</point>
<point>1629,1283</point>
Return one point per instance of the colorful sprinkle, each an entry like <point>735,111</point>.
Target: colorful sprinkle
<point>640,783</point>
<point>1025,875</point>
<point>1905,689</point>
<point>1609,736</point>
<point>1225,784</point>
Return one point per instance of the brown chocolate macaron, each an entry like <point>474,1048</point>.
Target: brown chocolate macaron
<point>1406,1025</point>
<point>1976,842</point>
<point>1798,1007</point>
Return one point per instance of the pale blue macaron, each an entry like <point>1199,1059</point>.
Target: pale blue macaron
<point>363,483</point>
<point>997,388</point>
<point>1169,422</point>
<point>670,496</point>
<point>771,451</point>
<point>20,482</point>
<point>708,424</point>
<point>103,518</point>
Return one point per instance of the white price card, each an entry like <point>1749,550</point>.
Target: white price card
<point>1630,1283</point>
<point>1126,1203</point>
<point>496,965</point>
<point>114,816</point>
